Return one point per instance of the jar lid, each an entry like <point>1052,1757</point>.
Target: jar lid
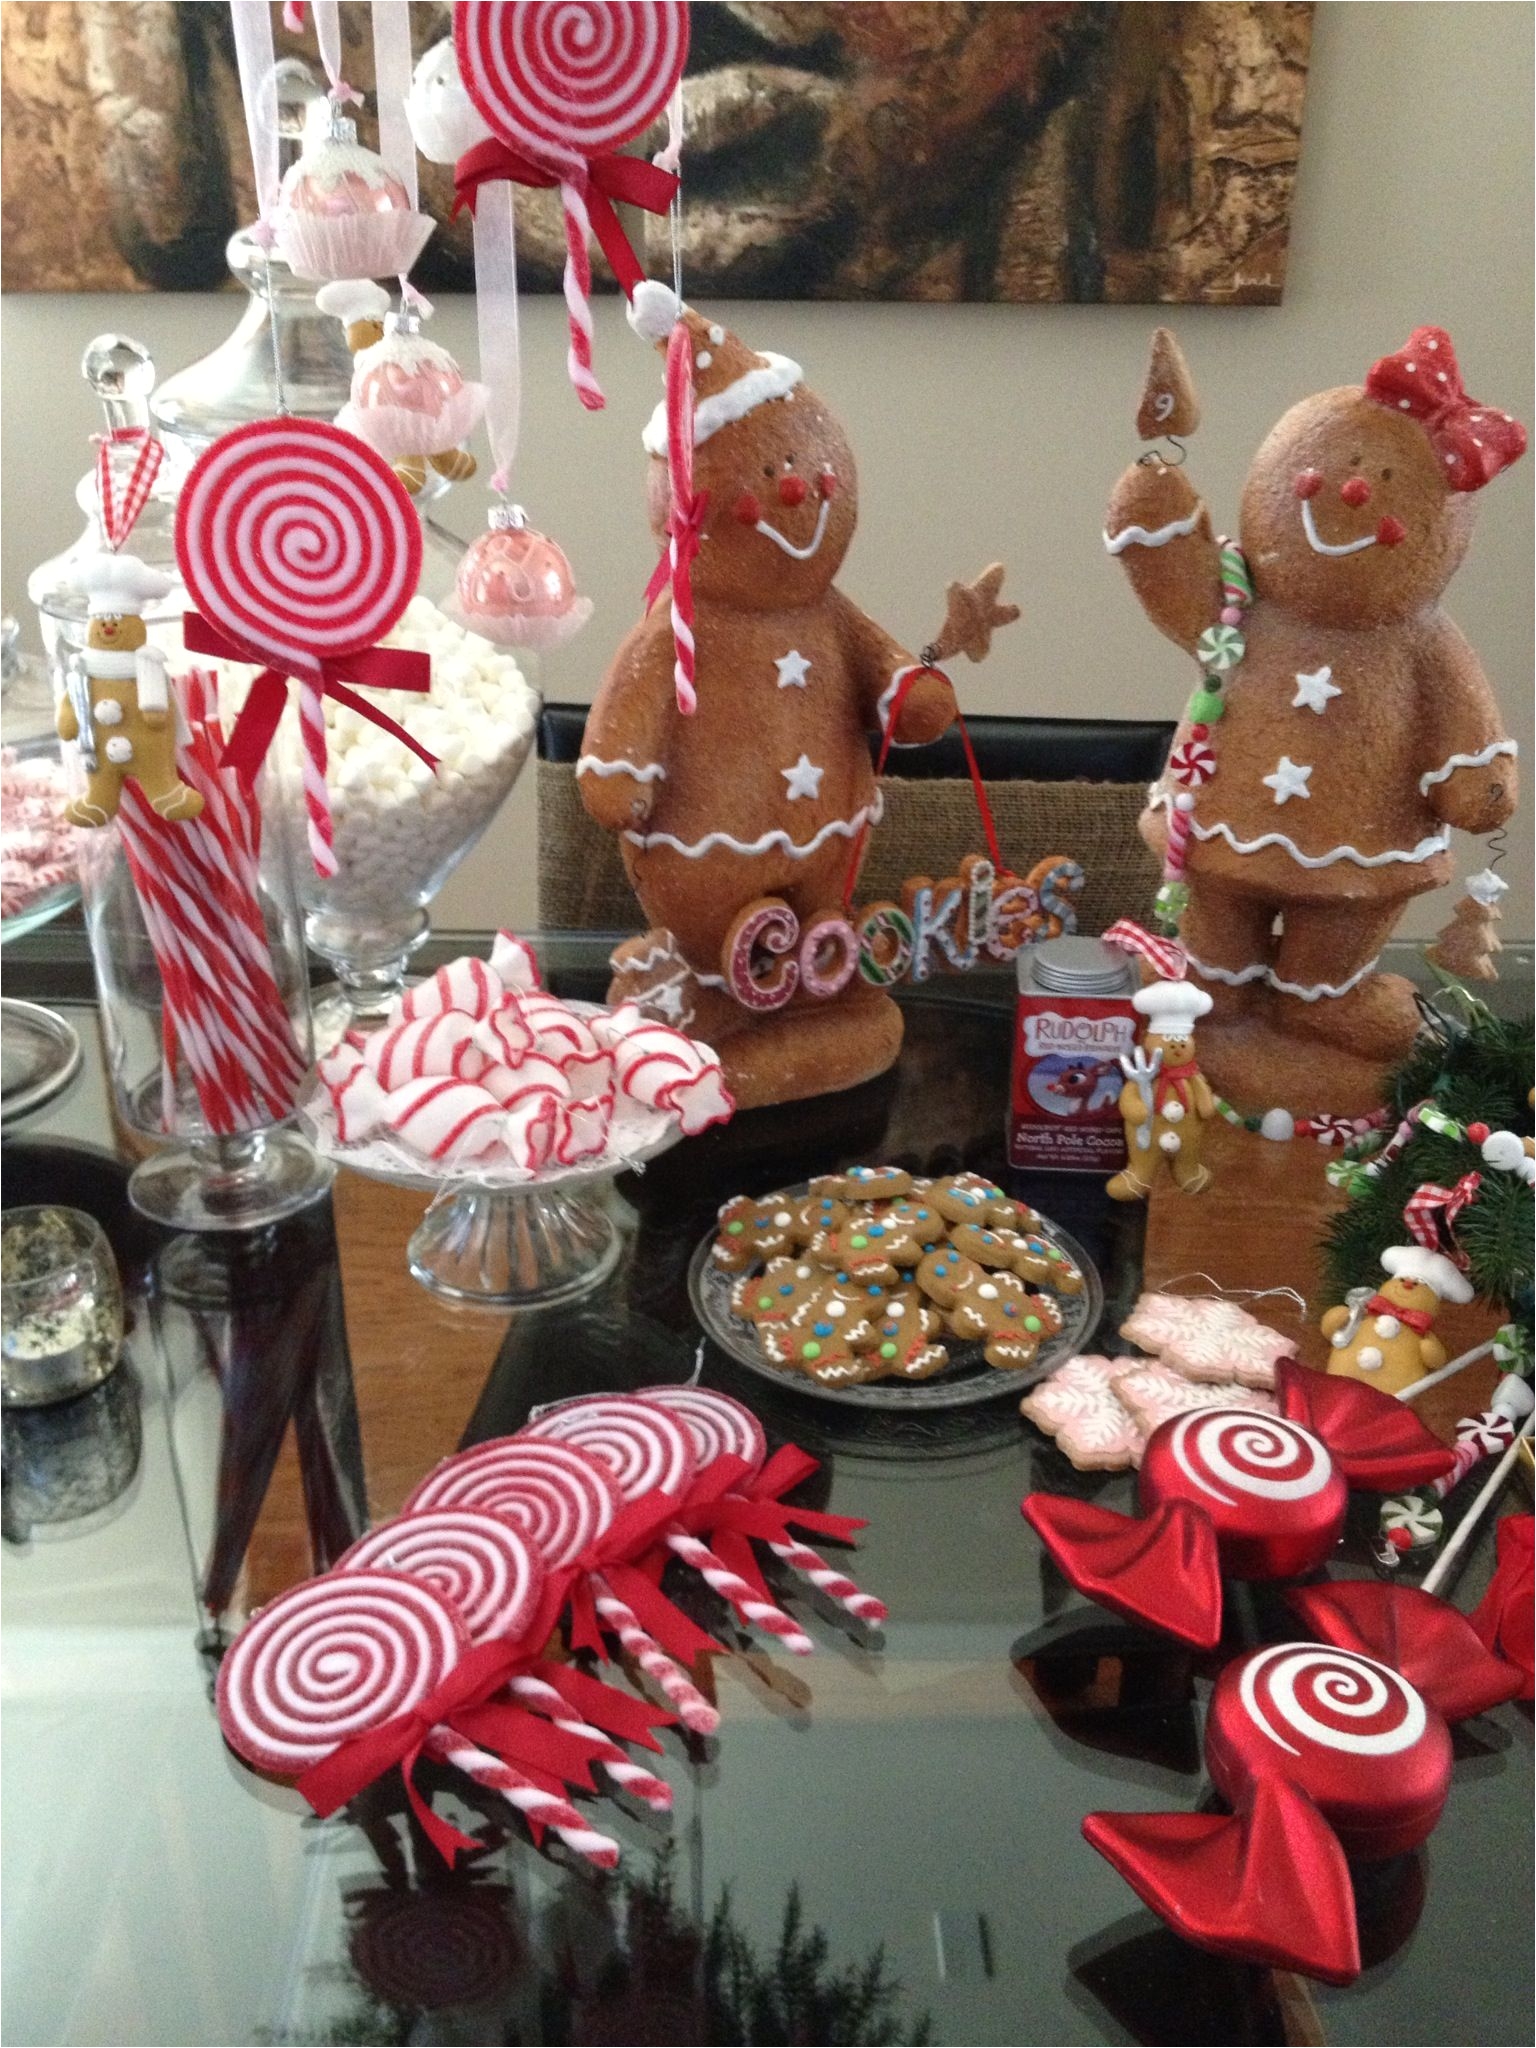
<point>1076,967</point>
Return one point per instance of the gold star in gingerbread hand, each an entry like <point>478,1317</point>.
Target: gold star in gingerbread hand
<point>973,615</point>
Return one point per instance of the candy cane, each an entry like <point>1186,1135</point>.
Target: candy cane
<point>631,1777</point>
<point>317,802</point>
<point>1181,818</point>
<point>835,1584</point>
<point>719,1577</point>
<point>682,539</point>
<point>577,285</point>
<point>693,1710</point>
<point>547,1809</point>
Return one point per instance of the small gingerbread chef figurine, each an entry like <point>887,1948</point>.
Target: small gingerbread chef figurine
<point>1386,1340</point>
<point>116,703</point>
<point>1166,1099</point>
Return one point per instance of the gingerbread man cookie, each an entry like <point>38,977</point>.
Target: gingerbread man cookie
<point>903,1339</point>
<point>831,1360</point>
<point>1010,1322</point>
<point>869,1250</point>
<point>864,1184</point>
<point>1044,1264</point>
<point>771,1296</point>
<point>987,1247</point>
<point>838,1308</point>
<point>754,1228</point>
<point>971,1198</point>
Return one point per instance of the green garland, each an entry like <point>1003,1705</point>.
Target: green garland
<point>1474,1068</point>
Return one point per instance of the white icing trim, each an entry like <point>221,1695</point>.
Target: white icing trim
<point>887,695</point>
<point>646,771</point>
<point>1159,537</point>
<point>772,376</point>
<point>800,554</point>
<point>1437,842</point>
<point>658,956</point>
<point>1309,993</point>
<point>777,841</point>
<point>111,664</point>
<point>1489,753</point>
<point>1319,546</point>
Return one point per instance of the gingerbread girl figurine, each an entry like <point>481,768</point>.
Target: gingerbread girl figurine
<point>1351,728</point>
<point>747,812</point>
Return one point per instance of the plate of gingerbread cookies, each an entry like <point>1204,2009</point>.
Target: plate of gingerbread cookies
<point>880,1289</point>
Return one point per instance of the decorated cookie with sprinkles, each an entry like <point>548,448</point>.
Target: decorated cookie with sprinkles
<point>1044,1264</point>
<point>1010,1322</point>
<point>839,1307</point>
<point>865,1184</point>
<point>970,1198</point>
<point>772,1295</point>
<point>989,1248</point>
<point>815,1213</point>
<point>904,1341</point>
<point>830,1360</point>
<point>755,1228</point>
<point>869,1250</point>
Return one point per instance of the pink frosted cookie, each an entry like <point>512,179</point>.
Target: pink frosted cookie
<point>1152,1392</point>
<point>1079,1406</point>
<point>1207,1338</point>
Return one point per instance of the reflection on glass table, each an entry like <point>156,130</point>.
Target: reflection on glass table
<point>920,1794</point>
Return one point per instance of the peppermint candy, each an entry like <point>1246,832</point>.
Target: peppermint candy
<point>1193,763</point>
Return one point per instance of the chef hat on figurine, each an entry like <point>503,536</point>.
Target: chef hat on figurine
<point>1171,1006</point>
<point>355,302</point>
<point>119,586</point>
<point>1424,1268</point>
<point>729,379</point>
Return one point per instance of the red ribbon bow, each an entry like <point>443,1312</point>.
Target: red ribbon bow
<point>1413,1318</point>
<point>1473,441</point>
<point>685,525</point>
<point>1174,1081</point>
<point>376,668</point>
<point>547,1755</point>
<point>604,179</point>
<point>623,1556</point>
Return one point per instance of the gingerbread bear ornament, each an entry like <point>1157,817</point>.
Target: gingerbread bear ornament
<point>738,822</point>
<point>116,704</point>
<point>1166,1101</point>
<point>1345,726</point>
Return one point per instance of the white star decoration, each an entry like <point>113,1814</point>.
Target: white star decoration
<point>668,999</point>
<point>1486,888</point>
<point>1314,688</point>
<point>1288,780</point>
<point>803,778</point>
<point>793,668</point>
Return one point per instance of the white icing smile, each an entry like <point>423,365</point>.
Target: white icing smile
<point>800,554</point>
<point>1319,546</point>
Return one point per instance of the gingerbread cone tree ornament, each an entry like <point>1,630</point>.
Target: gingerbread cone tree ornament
<point>1168,401</point>
<point>1343,726</point>
<point>1466,945</point>
<point>727,745</point>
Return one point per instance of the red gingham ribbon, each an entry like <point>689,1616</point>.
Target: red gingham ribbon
<point>1430,1206</point>
<point>1166,956</point>
<point>119,514</point>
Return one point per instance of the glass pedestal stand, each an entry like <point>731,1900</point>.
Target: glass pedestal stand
<point>225,1184</point>
<point>515,1247</point>
<point>370,957</point>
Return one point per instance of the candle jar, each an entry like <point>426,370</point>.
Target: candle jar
<point>61,1306</point>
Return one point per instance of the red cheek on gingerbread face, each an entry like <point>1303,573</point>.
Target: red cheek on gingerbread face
<point>1308,483</point>
<point>826,483</point>
<point>747,509</point>
<point>1390,532</point>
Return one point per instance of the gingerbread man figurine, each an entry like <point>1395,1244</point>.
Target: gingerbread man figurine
<point>116,703</point>
<point>752,805</point>
<point>1347,728</point>
<point>1166,1100</point>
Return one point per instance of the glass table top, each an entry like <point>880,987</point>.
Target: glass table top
<point>882,1843</point>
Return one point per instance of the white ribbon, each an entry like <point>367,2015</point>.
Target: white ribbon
<point>496,311</point>
<point>391,83</point>
<point>258,93</point>
<point>328,36</point>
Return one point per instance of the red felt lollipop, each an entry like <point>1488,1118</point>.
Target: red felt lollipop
<point>561,1500</point>
<point>301,550</point>
<point>478,1562</point>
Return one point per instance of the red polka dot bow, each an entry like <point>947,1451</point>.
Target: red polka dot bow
<point>1473,440</point>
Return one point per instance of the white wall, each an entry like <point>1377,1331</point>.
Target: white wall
<point>987,431</point>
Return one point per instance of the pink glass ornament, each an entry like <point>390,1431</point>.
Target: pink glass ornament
<point>342,213</point>
<point>421,379</point>
<point>515,586</point>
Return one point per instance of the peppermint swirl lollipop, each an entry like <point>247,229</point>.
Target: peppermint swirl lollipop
<point>334,1657</point>
<point>478,1562</point>
<point>570,78</point>
<point>559,1498</point>
<point>297,542</point>
<point>719,1426</point>
<point>645,1449</point>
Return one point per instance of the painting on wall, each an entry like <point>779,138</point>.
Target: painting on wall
<point>1051,150</point>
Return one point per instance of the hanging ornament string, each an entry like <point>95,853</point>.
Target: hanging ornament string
<point>560,88</point>
<point>252,26</point>
<point>391,85</point>
<point>496,312</point>
<point>328,36</point>
<point>118,512</point>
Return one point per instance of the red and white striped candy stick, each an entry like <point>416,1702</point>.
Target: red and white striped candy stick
<point>547,1809</point>
<point>751,1606</point>
<point>317,801</point>
<point>628,1775</point>
<point>1181,818</point>
<point>682,540</point>
<point>576,283</point>
<point>563,1500</point>
<point>723,1428</point>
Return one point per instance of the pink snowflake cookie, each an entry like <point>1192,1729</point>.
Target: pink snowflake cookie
<point>1079,1406</point>
<point>1207,1339</point>
<point>1152,1393</point>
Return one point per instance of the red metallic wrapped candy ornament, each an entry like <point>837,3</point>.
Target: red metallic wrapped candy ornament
<point>1328,1752</point>
<point>1229,1492</point>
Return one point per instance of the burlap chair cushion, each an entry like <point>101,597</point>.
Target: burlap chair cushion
<point>927,827</point>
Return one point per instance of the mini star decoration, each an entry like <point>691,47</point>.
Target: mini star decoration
<point>973,616</point>
<point>793,669</point>
<point>804,779</point>
<point>1314,687</point>
<point>1289,779</point>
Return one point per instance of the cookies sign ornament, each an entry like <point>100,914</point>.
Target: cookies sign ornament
<point>300,550</point>
<point>1342,727</point>
<point>739,821</point>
